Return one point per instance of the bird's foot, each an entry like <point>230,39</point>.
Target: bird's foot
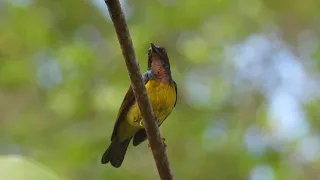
<point>141,123</point>
<point>163,140</point>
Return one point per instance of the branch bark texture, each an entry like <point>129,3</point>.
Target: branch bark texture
<point>150,123</point>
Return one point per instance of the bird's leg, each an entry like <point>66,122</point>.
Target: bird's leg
<point>163,140</point>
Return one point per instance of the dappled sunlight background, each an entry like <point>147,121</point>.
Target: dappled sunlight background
<point>248,75</point>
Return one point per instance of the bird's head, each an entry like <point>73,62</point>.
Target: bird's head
<point>158,62</point>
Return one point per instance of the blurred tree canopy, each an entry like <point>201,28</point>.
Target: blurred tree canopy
<point>247,74</point>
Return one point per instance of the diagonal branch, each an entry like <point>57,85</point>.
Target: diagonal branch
<point>155,140</point>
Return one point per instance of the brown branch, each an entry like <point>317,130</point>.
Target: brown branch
<point>155,140</point>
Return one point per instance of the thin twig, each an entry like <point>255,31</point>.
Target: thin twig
<point>155,140</point>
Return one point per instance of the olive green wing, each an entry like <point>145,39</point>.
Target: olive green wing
<point>141,135</point>
<point>175,85</point>
<point>127,102</point>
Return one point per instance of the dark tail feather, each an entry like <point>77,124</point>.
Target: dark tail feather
<point>115,153</point>
<point>139,137</point>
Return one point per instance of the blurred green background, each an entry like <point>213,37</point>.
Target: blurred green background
<point>247,71</point>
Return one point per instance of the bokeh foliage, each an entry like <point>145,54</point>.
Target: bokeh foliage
<point>62,79</point>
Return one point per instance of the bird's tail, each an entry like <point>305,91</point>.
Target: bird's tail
<point>115,152</point>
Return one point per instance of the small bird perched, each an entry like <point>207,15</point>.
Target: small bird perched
<point>162,92</point>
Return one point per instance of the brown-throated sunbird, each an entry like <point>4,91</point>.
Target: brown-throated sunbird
<point>162,92</point>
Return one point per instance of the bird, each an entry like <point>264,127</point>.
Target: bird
<point>162,92</point>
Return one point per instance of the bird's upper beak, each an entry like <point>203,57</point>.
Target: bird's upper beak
<point>154,49</point>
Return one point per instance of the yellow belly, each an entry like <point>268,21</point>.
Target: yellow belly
<point>162,98</point>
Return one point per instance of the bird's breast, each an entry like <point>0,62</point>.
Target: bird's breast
<point>162,98</point>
